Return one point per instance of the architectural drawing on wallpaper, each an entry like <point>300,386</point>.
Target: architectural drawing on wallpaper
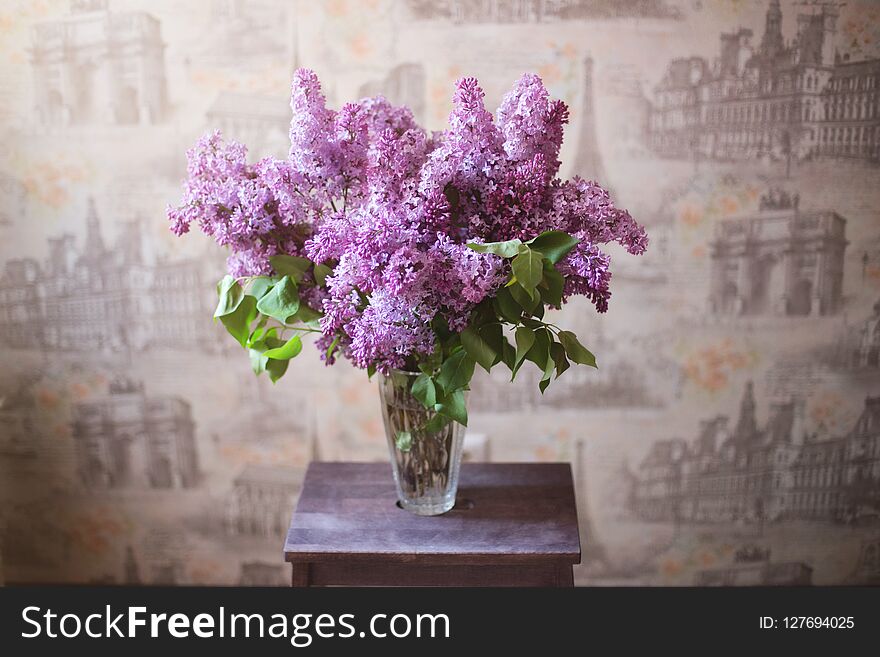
<point>587,162</point>
<point>783,260</point>
<point>14,197</point>
<point>628,110</point>
<point>130,569</point>
<point>102,298</point>
<point>129,439</point>
<point>593,555</point>
<point>537,11</point>
<point>239,29</point>
<point>752,567</point>
<point>866,353</point>
<point>269,420</point>
<point>857,346</point>
<point>867,570</point>
<point>262,500</point>
<point>752,473</point>
<point>19,431</point>
<point>259,121</point>
<point>260,573</point>
<point>404,85</point>
<point>782,99</point>
<point>99,66</point>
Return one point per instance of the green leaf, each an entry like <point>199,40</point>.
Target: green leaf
<point>276,368</point>
<point>371,370</point>
<point>293,266</point>
<point>404,441</point>
<point>431,363</point>
<point>553,244</point>
<point>552,286</point>
<point>493,334</point>
<point>526,301</point>
<point>288,350</point>
<point>304,315</point>
<point>258,360</point>
<point>321,274</point>
<point>506,249</point>
<point>230,294</point>
<point>259,331</point>
<point>525,338</point>
<point>477,348</point>
<point>506,307</point>
<point>528,268</point>
<point>437,422</point>
<point>282,301</point>
<point>539,354</point>
<point>557,352</point>
<point>238,322</point>
<point>508,355</point>
<point>575,350</point>
<point>423,389</point>
<point>538,312</point>
<point>456,372</point>
<point>453,407</point>
<point>549,364</point>
<point>260,285</point>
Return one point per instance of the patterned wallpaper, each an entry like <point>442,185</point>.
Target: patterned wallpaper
<point>732,432</point>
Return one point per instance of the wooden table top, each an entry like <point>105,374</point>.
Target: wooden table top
<point>507,513</point>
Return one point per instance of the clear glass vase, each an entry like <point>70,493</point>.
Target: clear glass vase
<point>425,463</point>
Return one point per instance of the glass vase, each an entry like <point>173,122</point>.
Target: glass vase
<point>425,462</point>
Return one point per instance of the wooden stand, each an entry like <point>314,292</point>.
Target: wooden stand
<point>514,524</point>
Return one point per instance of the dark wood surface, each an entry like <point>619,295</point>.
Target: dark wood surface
<point>513,523</point>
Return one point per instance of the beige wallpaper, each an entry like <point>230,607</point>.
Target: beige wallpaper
<point>732,432</point>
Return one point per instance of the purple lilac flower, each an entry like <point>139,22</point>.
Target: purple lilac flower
<point>391,209</point>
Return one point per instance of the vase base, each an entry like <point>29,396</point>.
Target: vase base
<point>429,506</point>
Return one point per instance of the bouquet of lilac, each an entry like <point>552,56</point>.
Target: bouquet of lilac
<point>407,251</point>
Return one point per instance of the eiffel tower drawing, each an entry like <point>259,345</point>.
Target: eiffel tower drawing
<point>593,556</point>
<point>588,162</point>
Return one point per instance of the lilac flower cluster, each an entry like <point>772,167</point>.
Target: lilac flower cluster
<point>390,209</point>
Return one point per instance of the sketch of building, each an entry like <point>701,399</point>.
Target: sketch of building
<point>867,353</point>
<point>262,500</point>
<point>18,425</point>
<point>12,192</point>
<point>130,568</point>
<point>775,472</point>
<point>99,66</point>
<point>249,28</point>
<point>781,261</point>
<point>752,567</point>
<point>168,573</point>
<point>131,440</point>
<point>259,121</point>
<point>260,573</point>
<point>780,98</point>
<point>588,162</point>
<point>102,298</point>
<point>867,570</point>
<point>629,110</point>
<point>404,85</point>
<point>537,11</point>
